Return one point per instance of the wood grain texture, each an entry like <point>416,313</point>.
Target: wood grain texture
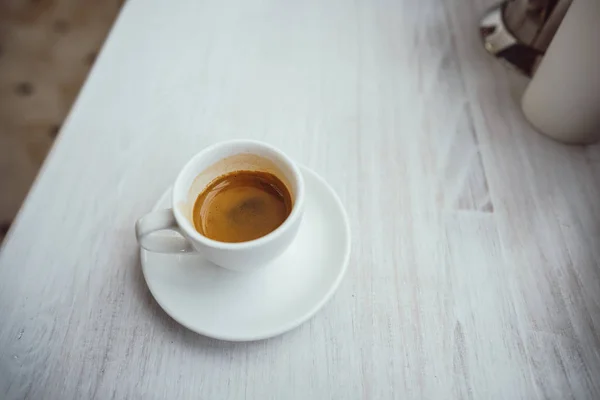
<point>474,271</point>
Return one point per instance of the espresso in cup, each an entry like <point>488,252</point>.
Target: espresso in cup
<point>241,206</point>
<point>225,197</point>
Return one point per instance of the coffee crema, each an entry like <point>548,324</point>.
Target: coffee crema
<point>242,206</point>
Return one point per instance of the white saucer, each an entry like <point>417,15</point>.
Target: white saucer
<point>257,305</point>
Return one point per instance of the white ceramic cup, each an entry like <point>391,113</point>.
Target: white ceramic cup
<point>196,175</point>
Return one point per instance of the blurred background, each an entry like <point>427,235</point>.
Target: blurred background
<point>47,48</point>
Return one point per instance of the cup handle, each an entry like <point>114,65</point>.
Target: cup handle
<point>157,221</point>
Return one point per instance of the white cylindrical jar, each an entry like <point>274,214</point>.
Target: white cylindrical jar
<point>563,98</point>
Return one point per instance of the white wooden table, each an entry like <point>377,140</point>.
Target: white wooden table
<point>476,242</point>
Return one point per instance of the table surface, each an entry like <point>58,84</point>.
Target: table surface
<point>474,271</point>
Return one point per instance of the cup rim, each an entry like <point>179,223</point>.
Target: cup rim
<point>193,234</point>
